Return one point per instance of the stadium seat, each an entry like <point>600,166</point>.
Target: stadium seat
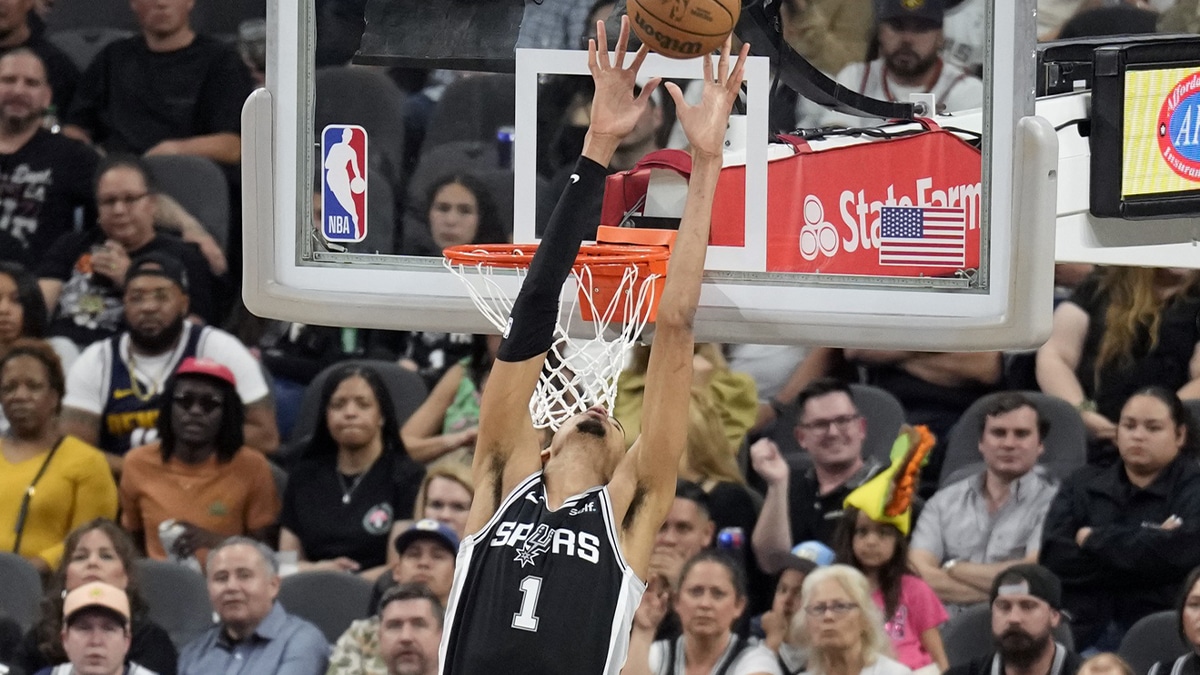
<point>1065,444</point>
<point>968,635</point>
<point>1193,406</point>
<point>177,598</point>
<point>1153,638</point>
<point>883,413</point>
<point>406,387</point>
<point>330,600</point>
<point>83,44</point>
<point>20,589</point>
<point>366,97</point>
<point>472,109</point>
<point>200,187</point>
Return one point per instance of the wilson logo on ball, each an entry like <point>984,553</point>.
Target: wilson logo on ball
<point>683,29</point>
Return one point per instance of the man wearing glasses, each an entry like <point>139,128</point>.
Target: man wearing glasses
<point>806,505</point>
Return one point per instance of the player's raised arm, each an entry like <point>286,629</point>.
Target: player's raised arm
<point>508,449</point>
<point>652,463</point>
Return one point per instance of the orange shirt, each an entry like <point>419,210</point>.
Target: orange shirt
<point>232,498</point>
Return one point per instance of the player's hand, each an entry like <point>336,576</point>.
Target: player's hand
<point>654,605</point>
<point>615,111</point>
<point>705,123</point>
<point>768,463</point>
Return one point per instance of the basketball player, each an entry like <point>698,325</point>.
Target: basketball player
<point>558,540</point>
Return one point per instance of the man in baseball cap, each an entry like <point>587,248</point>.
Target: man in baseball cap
<point>95,632</point>
<point>1026,609</point>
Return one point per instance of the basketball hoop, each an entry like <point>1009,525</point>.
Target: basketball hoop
<point>619,281</point>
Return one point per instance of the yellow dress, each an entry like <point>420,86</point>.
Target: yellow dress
<point>76,487</point>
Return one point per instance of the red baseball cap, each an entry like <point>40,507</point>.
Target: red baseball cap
<point>202,366</point>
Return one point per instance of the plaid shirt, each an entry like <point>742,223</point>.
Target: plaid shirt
<point>357,650</point>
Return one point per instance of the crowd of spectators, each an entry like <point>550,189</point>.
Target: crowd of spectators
<point>145,415</point>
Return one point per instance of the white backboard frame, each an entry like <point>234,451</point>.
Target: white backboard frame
<point>1012,309</point>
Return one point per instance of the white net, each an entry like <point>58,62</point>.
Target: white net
<point>580,371</point>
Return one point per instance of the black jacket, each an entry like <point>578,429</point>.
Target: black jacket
<point>983,666</point>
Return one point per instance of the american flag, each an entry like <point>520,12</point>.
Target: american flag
<point>928,236</point>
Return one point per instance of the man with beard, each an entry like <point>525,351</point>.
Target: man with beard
<point>45,178</point>
<point>20,28</point>
<point>910,41</point>
<point>113,389</point>
<point>1026,608</point>
<point>410,628</point>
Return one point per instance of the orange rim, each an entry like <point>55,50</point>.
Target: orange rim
<point>518,256</point>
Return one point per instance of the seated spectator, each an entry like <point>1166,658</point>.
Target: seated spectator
<point>687,530</point>
<point>21,29</point>
<point>167,91</point>
<point>101,551</point>
<point>445,496</point>
<point>1106,663</point>
<point>733,395</point>
<point>49,483</point>
<point>872,538</point>
<point>461,210</point>
<point>910,37</point>
<point>710,462</point>
<point>807,505</point>
<point>46,179</point>
<point>841,626</point>
<point>1123,538</point>
<point>22,312</point>
<point>972,530</point>
<point>199,474</point>
<point>1187,611</point>
<point>410,629</point>
<point>774,627</point>
<point>1027,606</point>
<point>354,480</point>
<point>712,596</point>
<point>444,427</point>
<point>427,557</point>
<point>1125,328</point>
<point>254,634</point>
<point>116,385</point>
<point>84,273</point>
<point>431,354</point>
<point>96,632</point>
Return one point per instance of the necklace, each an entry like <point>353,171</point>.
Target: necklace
<point>156,379</point>
<point>348,491</point>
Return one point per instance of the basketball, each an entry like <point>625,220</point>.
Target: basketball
<point>683,29</point>
<point>357,185</point>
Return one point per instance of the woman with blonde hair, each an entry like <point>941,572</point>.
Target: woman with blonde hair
<point>1124,329</point>
<point>445,495</point>
<point>841,627</point>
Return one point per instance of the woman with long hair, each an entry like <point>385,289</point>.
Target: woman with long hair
<point>97,550</point>
<point>1187,612</point>
<point>1122,538</point>
<point>841,626</point>
<point>200,474</point>
<point>49,483</point>
<point>445,495</point>
<point>1124,329</point>
<point>354,482</point>
<point>444,427</point>
<point>22,311</point>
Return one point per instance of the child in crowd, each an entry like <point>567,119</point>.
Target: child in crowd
<point>872,537</point>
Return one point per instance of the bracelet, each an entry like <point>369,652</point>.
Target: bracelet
<point>949,564</point>
<point>1086,405</point>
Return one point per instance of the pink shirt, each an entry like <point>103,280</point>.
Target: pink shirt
<point>918,611</point>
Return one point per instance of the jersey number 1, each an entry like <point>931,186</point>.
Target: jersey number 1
<point>527,619</point>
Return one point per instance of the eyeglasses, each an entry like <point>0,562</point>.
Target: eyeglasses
<point>206,402</point>
<point>839,609</point>
<point>841,423</point>
<point>127,201</point>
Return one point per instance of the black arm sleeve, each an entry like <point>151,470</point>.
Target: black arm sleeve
<point>535,313</point>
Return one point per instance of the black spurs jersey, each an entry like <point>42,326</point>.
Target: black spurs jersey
<point>540,591</point>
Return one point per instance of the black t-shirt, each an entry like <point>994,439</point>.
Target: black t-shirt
<point>1165,365</point>
<point>90,306</point>
<point>150,646</point>
<point>45,188</point>
<point>814,515</point>
<point>314,511</point>
<point>131,98</point>
<point>61,72</point>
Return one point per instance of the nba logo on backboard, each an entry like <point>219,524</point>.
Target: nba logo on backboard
<point>344,183</point>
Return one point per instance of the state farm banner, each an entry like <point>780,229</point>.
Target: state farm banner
<point>901,207</point>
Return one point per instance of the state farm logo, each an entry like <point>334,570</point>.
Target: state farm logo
<point>818,234</point>
<point>1179,128</point>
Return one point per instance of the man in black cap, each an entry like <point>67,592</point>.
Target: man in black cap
<point>910,43</point>
<point>114,387</point>
<point>1026,608</point>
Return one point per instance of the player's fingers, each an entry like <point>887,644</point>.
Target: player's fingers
<point>676,95</point>
<point>622,42</point>
<point>592,55</point>
<point>735,78</point>
<point>647,89</point>
<point>602,46</point>
<point>639,58</point>
<point>723,61</point>
<point>706,64</point>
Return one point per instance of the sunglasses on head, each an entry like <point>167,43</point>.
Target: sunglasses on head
<point>207,402</point>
